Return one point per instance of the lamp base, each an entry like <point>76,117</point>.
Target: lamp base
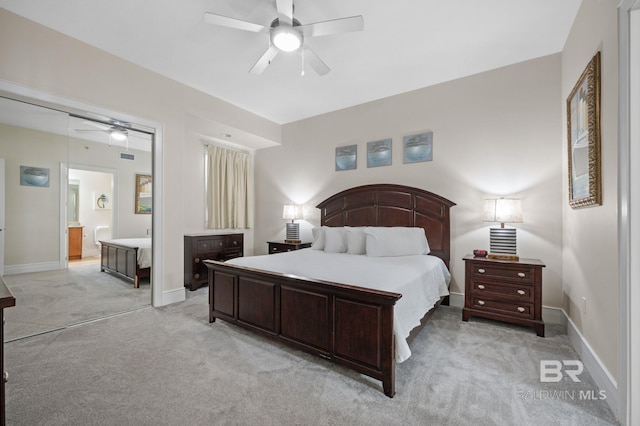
<point>293,232</point>
<point>293,241</point>
<point>503,257</point>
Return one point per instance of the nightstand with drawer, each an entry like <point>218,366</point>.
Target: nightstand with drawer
<point>282,246</point>
<point>504,290</point>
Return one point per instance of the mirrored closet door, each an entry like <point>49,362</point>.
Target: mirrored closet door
<point>69,184</point>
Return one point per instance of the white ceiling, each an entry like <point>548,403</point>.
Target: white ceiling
<point>405,45</point>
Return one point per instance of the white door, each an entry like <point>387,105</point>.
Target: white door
<point>1,217</point>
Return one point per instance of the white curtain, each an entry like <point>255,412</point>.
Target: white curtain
<point>229,188</point>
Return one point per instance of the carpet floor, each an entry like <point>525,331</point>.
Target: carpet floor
<point>52,300</point>
<point>169,366</point>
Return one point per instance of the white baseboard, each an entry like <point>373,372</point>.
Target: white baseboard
<point>31,267</point>
<point>604,380</point>
<point>173,296</point>
<point>456,300</point>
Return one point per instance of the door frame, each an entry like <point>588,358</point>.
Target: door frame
<point>64,225</point>
<point>47,100</point>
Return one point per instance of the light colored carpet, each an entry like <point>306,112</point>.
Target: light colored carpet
<point>52,300</point>
<point>169,366</point>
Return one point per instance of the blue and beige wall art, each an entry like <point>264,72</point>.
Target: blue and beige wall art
<point>346,157</point>
<point>379,153</point>
<point>34,176</point>
<point>417,148</point>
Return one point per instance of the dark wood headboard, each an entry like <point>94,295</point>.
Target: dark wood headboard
<point>392,205</point>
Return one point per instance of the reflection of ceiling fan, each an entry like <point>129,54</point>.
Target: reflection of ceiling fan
<point>287,34</point>
<point>116,131</point>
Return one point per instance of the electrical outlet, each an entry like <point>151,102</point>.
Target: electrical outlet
<point>584,306</point>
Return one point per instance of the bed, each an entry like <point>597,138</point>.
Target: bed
<point>129,258</point>
<point>351,325</point>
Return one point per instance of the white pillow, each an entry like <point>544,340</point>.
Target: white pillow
<point>356,241</point>
<point>318,238</point>
<point>396,241</point>
<point>335,239</point>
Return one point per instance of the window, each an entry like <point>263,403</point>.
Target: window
<point>228,188</point>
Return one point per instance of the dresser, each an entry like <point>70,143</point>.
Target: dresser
<point>199,247</point>
<point>6,301</point>
<point>282,246</point>
<point>504,290</point>
<point>75,242</point>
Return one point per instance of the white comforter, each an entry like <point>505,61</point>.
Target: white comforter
<point>144,249</point>
<point>421,280</point>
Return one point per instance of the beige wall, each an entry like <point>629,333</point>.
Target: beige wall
<point>495,133</point>
<point>44,60</point>
<point>590,252</point>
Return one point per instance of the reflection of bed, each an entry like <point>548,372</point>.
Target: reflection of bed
<point>346,323</point>
<point>127,257</point>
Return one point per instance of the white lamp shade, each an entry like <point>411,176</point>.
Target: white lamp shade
<point>503,210</point>
<point>291,212</point>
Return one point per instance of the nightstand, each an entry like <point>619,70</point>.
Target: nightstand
<point>504,290</point>
<point>281,246</point>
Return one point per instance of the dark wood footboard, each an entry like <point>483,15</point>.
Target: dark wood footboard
<point>123,261</point>
<point>351,326</point>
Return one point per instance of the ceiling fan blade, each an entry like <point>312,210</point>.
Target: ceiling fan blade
<point>89,130</point>
<point>335,26</point>
<point>316,63</point>
<point>225,21</point>
<point>264,60</point>
<point>96,124</point>
<point>285,10</point>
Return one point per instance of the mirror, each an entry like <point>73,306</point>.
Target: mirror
<point>73,202</point>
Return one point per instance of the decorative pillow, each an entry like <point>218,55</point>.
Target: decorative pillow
<point>335,239</point>
<point>356,241</point>
<point>318,238</point>
<point>396,241</point>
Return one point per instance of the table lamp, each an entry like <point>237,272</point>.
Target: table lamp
<point>502,241</point>
<point>292,212</point>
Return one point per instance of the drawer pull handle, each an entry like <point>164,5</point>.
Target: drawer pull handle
<point>521,309</point>
<point>521,292</point>
<point>482,271</point>
<point>235,243</point>
<point>5,377</point>
<point>522,274</point>
<point>481,302</point>
<point>197,276</point>
<point>197,259</point>
<point>480,286</point>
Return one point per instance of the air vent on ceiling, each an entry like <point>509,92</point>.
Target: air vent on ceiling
<point>126,156</point>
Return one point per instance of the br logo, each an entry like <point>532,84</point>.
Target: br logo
<point>552,370</point>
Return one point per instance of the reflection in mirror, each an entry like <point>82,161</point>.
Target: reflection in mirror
<point>73,202</point>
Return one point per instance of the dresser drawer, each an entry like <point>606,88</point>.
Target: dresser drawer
<point>503,291</point>
<point>203,246</point>
<point>514,309</point>
<point>234,242</point>
<point>520,274</point>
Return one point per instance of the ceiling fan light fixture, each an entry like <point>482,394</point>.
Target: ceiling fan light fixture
<point>286,38</point>
<point>118,135</point>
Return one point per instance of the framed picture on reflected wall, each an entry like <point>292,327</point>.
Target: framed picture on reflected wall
<point>583,131</point>
<point>143,194</point>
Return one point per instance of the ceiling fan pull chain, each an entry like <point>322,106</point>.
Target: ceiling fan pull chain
<point>302,56</point>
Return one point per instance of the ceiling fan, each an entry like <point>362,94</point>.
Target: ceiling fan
<point>116,131</point>
<point>287,34</point>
